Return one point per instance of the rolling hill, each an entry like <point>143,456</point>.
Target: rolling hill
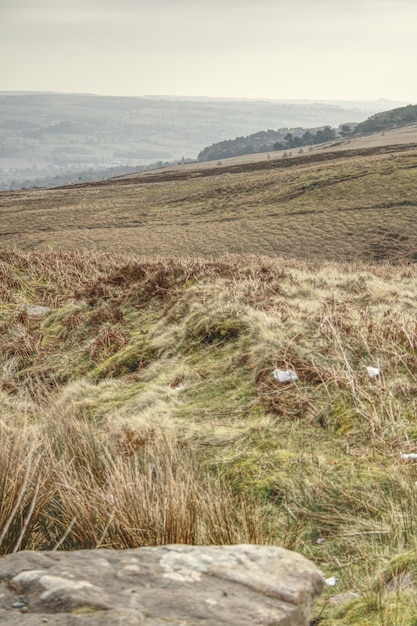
<point>283,139</point>
<point>399,117</point>
<point>354,198</point>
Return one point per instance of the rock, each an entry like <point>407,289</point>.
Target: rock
<point>178,585</point>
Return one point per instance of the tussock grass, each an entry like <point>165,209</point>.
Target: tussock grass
<point>142,410</point>
<point>75,487</point>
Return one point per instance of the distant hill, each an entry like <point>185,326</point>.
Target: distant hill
<point>257,142</point>
<point>287,139</point>
<point>265,141</point>
<point>388,119</point>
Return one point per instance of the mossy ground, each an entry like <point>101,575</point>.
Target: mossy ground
<point>160,370</point>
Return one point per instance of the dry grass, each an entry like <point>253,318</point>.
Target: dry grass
<point>67,485</point>
<point>142,410</point>
<point>337,205</point>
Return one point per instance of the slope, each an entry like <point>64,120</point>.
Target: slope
<point>339,202</point>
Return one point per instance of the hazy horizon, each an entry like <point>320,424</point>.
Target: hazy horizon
<point>326,50</point>
<point>172,96</point>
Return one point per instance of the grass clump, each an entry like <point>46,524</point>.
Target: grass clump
<point>127,360</point>
<point>82,487</point>
<point>204,329</point>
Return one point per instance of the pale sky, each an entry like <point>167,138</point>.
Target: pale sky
<point>278,49</point>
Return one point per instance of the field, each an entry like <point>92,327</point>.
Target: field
<point>140,406</point>
<point>346,204</point>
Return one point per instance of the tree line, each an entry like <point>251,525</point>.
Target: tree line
<point>388,119</point>
<point>306,139</point>
<point>269,140</point>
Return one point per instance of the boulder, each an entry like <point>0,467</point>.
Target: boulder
<point>179,585</point>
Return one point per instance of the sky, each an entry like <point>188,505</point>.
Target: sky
<point>263,49</point>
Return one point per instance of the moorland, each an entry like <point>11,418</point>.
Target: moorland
<point>139,404</point>
<point>340,202</point>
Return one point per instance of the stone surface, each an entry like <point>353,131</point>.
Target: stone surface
<point>178,585</point>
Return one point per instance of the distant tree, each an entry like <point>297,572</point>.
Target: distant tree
<point>297,142</point>
<point>325,134</point>
<point>290,140</point>
<point>308,138</point>
<point>265,141</point>
<point>345,130</point>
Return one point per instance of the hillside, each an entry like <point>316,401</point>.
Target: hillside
<point>289,139</point>
<point>388,119</point>
<point>337,202</point>
<point>217,354</point>
<point>142,405</point>
<point>49,134</point>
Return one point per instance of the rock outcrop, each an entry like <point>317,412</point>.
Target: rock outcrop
<point>179,585</point>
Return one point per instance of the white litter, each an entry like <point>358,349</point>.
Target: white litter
<point>35,310</point>
<point>373,372</point>
<point>410,456</point>
<point>320,541</point>
<point>284,376</point>
<point>330,582</point>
